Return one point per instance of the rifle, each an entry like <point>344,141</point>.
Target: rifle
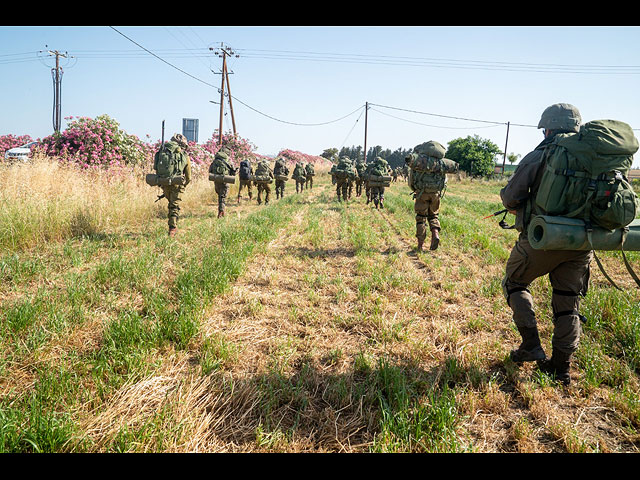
<point>162,144</point>
<point>502,223</point>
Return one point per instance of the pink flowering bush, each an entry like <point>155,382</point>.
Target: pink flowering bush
<point>11,141</point>
<point>96,143</point>
<point>293,156</point>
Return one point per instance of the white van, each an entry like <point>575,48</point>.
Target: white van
<point>20,153</point>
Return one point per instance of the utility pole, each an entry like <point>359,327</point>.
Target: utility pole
<point>506,142</point>
<point>56,73</point>
<point>224,51</point>
<point>366,111</point>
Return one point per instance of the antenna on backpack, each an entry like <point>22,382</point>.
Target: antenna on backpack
<point>162,144</point>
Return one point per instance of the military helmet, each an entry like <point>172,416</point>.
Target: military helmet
<point>560,116</point>
<point>222,155</point>
<point>180,140</point>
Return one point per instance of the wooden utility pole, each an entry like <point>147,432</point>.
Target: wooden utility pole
<point>56,73</point>
<point>224,51</point>
<point>366,111</point>
<point>506,142</point>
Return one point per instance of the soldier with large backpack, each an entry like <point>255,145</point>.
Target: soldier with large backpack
<point>173,173</point>
<point>379,178</point>
<point>428,180</point>
<point>299,176</point>
<point>263,178</point>
<point>343,173</point>
<point>245,172</point>
<point>309,174</point>
<point>222,173</point>
<point>577,172</point>
<point>281,175</point>
<point>359,181</point>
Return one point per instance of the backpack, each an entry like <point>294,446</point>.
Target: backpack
<point>245,170</point>
<point>427,173</point>
<point>585,175</point>
<point>170,161</point>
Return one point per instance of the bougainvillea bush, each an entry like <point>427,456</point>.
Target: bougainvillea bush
<point>11,141</point>
<point>96,143</point>
<point>293,156</point>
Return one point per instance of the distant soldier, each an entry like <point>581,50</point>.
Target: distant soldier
<point>280,171</point>
<point>245,172</point>
<point>367,188</point>
<point>221,166</point>
<point>379,168</point>
<point>359,181</point>
<point>309,172</point>
<point>428,179</point>
<point>299,176</point>
<point>172,161</point>
<point>263,178</point>
<point>342,173</point>
<point>395,174</point>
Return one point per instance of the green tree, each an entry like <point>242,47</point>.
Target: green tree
<point>475,155</point>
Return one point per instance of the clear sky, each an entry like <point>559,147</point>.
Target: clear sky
<point>305,87</point>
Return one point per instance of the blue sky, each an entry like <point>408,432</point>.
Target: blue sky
<point>422,83</point>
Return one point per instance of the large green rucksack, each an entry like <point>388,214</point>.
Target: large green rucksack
<point>428,168</point>
<point>170,161</point>
<point>585,175</point>
<point>585,179</point>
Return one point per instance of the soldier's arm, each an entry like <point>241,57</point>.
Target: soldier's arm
<point>518,188</point>
<point>187,171</point>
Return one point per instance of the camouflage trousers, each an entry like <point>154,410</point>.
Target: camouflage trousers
<point>173,194</point>
<point>245,183</point>
<point>569,273</point>
<point>377,196</point>
<point>222,189</point>
<point>309,182</point>
<point>299,185</point>
<point>280,188</point>
<point>359,183</point>
<point>427,207</point>
<point>266,188</point>
<point>342,188</point>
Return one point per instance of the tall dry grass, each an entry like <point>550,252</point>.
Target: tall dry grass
<point>45,200</point>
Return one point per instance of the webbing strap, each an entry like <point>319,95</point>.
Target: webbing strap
<point>625,230</point>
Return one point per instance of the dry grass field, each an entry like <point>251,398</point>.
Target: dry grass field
<point>306,325</point>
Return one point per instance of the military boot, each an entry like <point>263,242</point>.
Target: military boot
<point>172,231</point>
<point>435,239</point>
<point>530,349</point>
<point>420,244</point>
<point>557,366</point>
<point>220,213</point>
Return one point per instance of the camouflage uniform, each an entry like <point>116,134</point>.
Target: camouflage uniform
<point>280,168</point>
<point>221,166</point>
<point>381,168</point>
<point>360,167</point>
<point>173,193</point>
<point>568,271</point>
<point>264,169</point>
<point>299,177</point>
<point>309,171</point>
<point>245,182</point>
<point>342,184</point>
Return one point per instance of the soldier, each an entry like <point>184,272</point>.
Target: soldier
<point>299,177</point>
<point>309,172</point>
<point>280,170</point>
<point>379,168</point>
<point>367,187</point>
<point>264,177</point>
<point>244,173</point>
<point>568,271</point>
<point>221,166</point>
<point>342,173</point>
<point>170,161</point>
<point>395,174</point>
<point>360,167</point>
<point>428,180</point>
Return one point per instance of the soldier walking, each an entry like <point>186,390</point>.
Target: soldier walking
<point>309,172</point>
<point>280,172</point>
<point>172,161</point>
<point>264,177</point>
<point>568,271</point>
<point>221,166</point>
<point>245,172</point>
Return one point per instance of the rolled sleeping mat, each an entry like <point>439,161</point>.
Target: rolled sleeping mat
<point>262,179</point>
<point>283,178</point>
<point>379,181</point>
<point>155,181</point>
<point>547,232</point>
<point>216,177</point>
